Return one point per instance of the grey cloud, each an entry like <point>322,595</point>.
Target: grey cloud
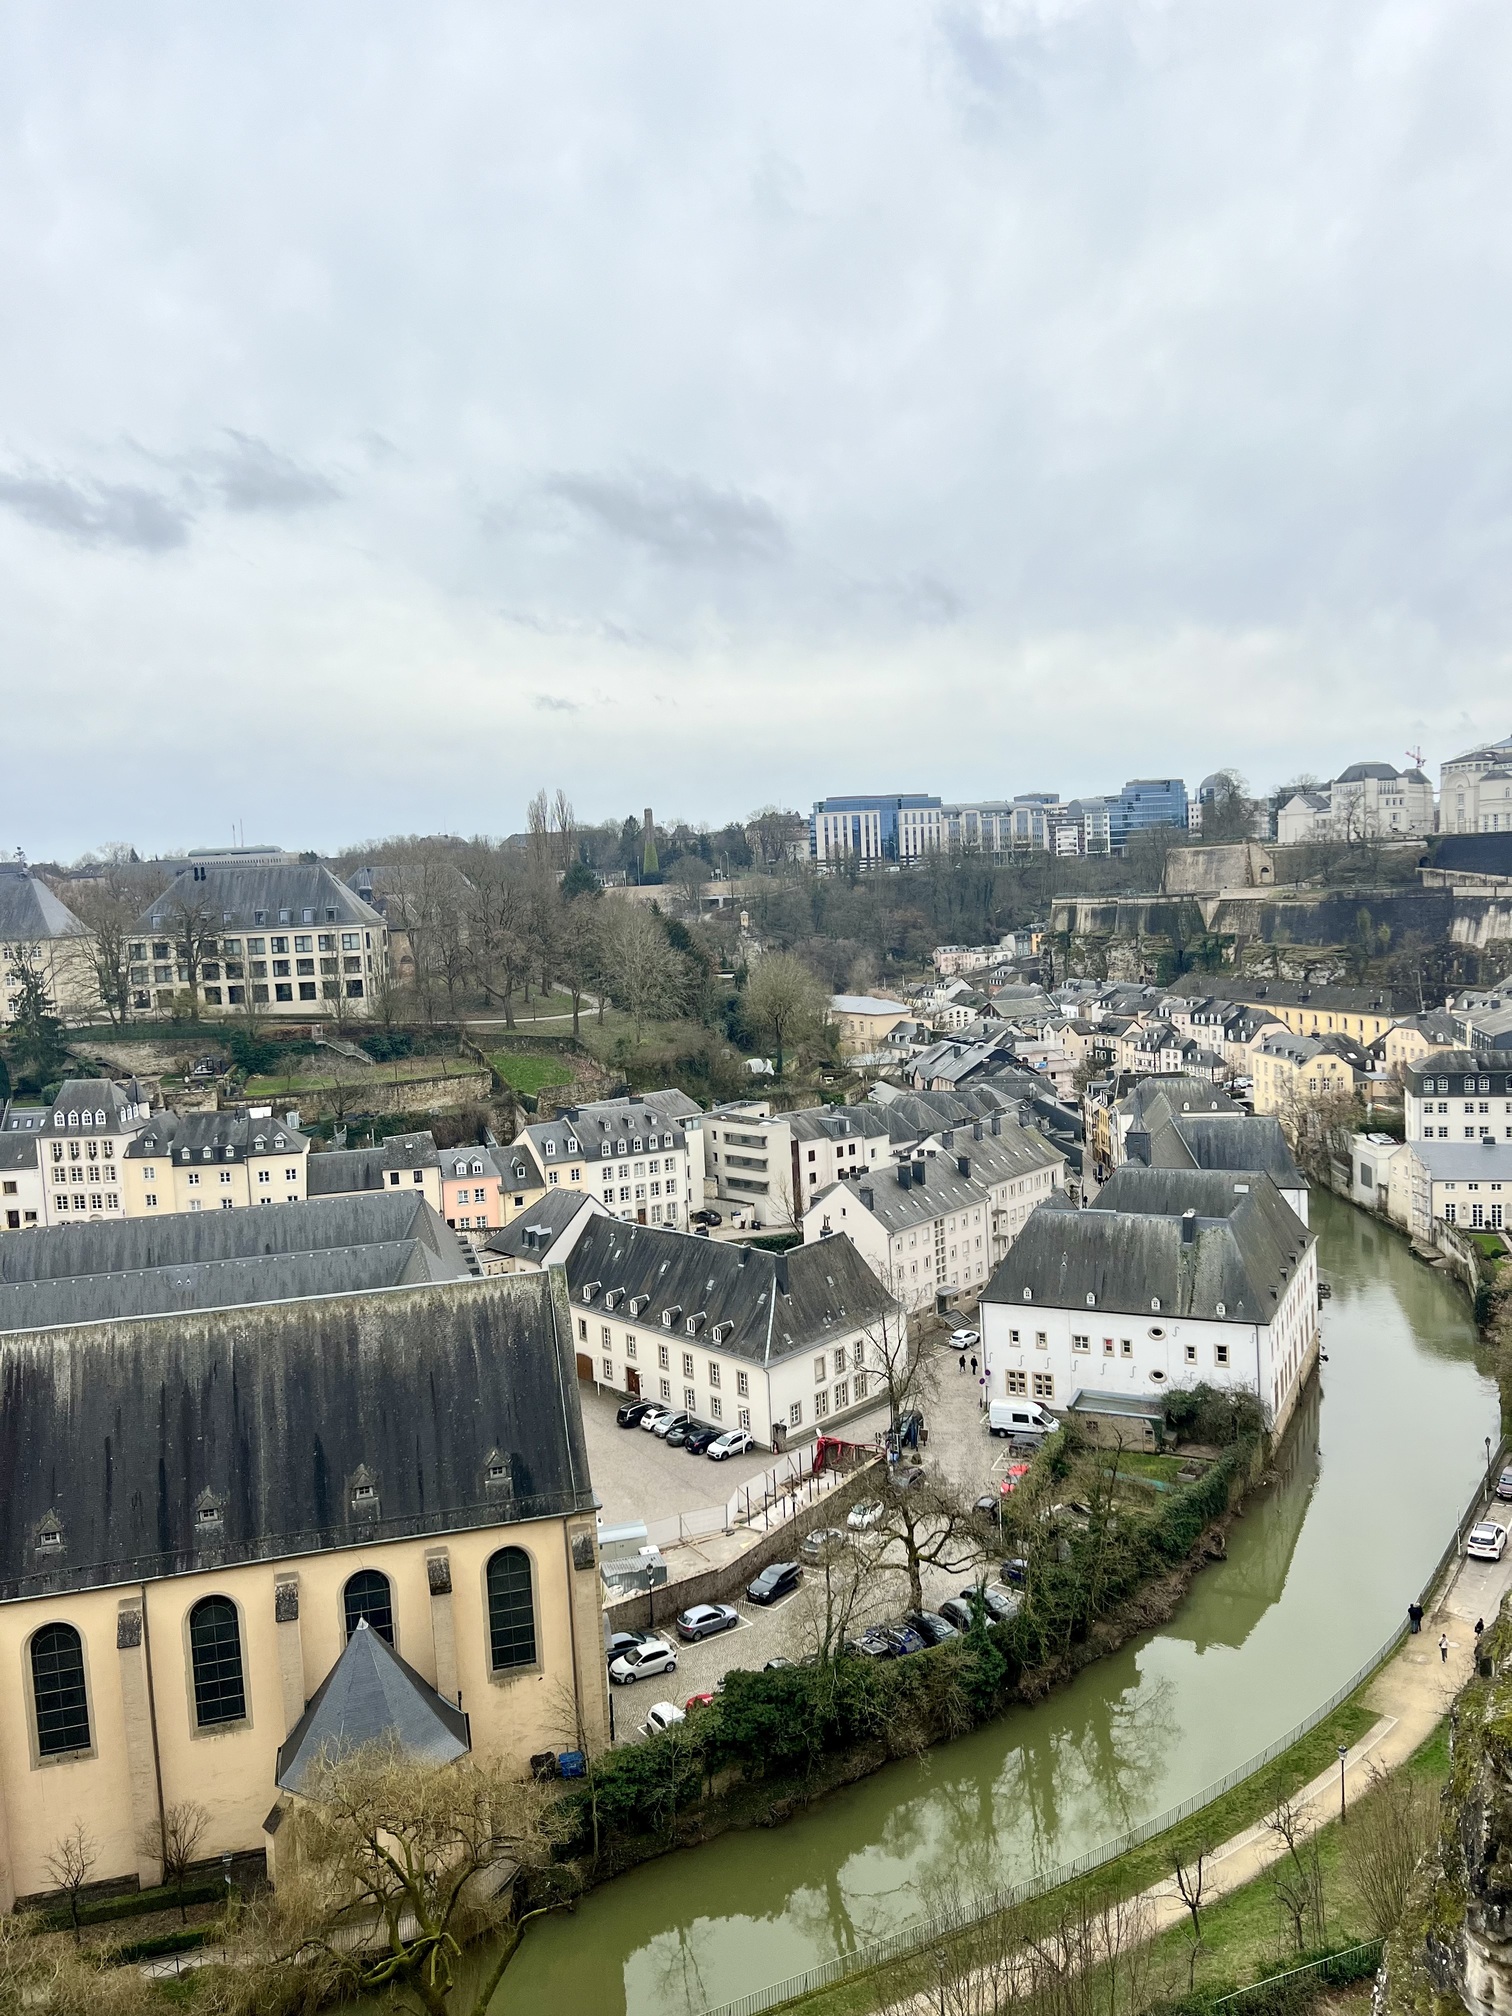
<point>251,476</point>
<point>553,703</point>
<point>681,519</point>
<point>96,514</point>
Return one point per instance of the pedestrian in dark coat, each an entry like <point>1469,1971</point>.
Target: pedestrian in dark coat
<point>963,1361</point>
<point>1415,1617</point>
<point>973,1364</point>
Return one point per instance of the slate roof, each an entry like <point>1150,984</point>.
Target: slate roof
<point>88,1096</point>
<point>776,1304</point>
<point>1461,853</point>
<point>604,1123</point>
<point>1245,1247</point>
<point>214,1137</point>
<point>865,1004</point>
<point>239,897</point>
<point>337,1172</point>
<point>1464,1161</point>
<point>29,911</point>
<point>1224,1141</point>
<point>1017,1151</point>
<point>1289,994</point>
<point>18,1151</point>
<point>533,1233</point>
<point>115,1434</point>
<point>1155,1098</point>
<point>370,1695</point>
<point>178,1240</point>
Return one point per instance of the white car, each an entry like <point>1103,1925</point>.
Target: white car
<point>649,1421</point>
<point>654,1656</point>
<point>734,1442</point>
<point>864,1515</point>
<point>1487,1542</point>
<point>962,1340</point>
<point>665,1715</point>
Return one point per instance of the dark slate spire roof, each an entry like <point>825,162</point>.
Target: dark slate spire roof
<point>113,1434</point>
<point>370,1695</point>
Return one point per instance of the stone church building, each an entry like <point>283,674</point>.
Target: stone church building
<point>200,1505</point>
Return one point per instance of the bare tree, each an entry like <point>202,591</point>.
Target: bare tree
<point>174,1841</point>
<point>580,951</point>
<point>195,930</point>
<point>69,1862</point>
<point>109,904</point>
<point>398,1865</point>
<point>846,1590</point>
<point>1298,1879</point>
<point>500,935</point>
<point>645,973</point>
<point>783,1000</point>
<point>1390,1830</point>
<point>1189,1882</point>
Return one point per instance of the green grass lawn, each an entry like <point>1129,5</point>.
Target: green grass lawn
<point>402,1071</point>
<point>530,1074</point>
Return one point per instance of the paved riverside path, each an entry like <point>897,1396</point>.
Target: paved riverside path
<point>1410,1695</point>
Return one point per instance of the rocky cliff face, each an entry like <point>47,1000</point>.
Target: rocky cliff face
<point>1453,1950</point>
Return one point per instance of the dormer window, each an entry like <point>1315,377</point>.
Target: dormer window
<point>606,1149</point>
<point>73,1119</point>
<point>550,1147</point>
<point>635,1145</point>
<point>477,1168</point>
<point>572,1146</point>
<point>670,1316</point>
<point>624,1147</point>
<point>364,1494</point>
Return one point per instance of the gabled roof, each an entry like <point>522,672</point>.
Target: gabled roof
<point>336,1172</point>
<point>111,1269</point>
<point>534,1233</point>
<point>775,1304</point>
<point>29,911</point>
<point>1464,1161</point>
<point>600,1125</point>
<point>371,1696</point>
<point>449,1407</point>
<point>254,899</point>
<point>202,1136</point>
<point>1244,1245</point>
<point>935,1184</point>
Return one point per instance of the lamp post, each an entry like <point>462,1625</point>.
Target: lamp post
<point>1488,1462</point>
<point>1343,1812</point>
<point>940,1971</point>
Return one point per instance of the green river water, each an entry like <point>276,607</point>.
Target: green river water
<point>1375,1473</point>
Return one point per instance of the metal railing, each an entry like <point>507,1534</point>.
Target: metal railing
<point>1327,1968</point>
<point>920,1933</point>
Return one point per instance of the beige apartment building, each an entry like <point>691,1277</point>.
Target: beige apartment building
<point>213,1162</point>
<point>211,1504</point>
<point>287,942</point>
<point>1292,1070</point>
<point>41,935</point>
<point>864,1021</point>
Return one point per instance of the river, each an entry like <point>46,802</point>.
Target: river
<point>1381,1463</point>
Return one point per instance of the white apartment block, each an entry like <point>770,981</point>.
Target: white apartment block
<point>934,1225</point>
<point>1475,790</point>
<point>774,1164</point>
<point>1172,1278</point>
<point>1459,1095</point>
<point>1368,801</point>
<point>627,1153</point>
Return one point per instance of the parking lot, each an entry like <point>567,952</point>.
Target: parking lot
<point>639,1477</point>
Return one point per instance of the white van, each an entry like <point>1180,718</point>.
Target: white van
<point>1022,1418</point>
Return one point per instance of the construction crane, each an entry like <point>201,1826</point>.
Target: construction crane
<point>1415,757</point>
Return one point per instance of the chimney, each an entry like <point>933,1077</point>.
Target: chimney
<point>1188,1227</point>
<point>976,1130</point>
<point>963,1163</point>
<point>905,1176</point>
<point>918,1173</point>
<point>997,1123</point>
<point>868,1197</point>
<point>780,1274</point>
<point>1137,1145</point>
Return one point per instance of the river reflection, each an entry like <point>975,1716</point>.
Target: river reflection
<point>1381,1461</point>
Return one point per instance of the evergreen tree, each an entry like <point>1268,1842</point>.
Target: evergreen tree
<point>36,1033</point>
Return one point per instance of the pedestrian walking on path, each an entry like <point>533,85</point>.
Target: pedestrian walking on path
<point>1414,1618</point>
<point>973,1365</point>
<point>963,1361</point>
<point>1443,1648</point>
<point>1480,1625</point>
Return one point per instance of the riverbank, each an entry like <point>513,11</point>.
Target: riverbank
<point>1403,1708</point>
<point>1319,1570</point>
<point>775,1743</point>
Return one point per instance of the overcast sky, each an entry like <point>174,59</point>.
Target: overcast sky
<point>702,405</point>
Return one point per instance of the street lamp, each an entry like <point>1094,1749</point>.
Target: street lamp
<point>1343,1753</point>
<point>1488,1459</point>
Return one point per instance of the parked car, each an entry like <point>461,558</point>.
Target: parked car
<point>1024,1420</point>
<point>1001,1603</point>
<point>677,1437</point>
<point>1504,1484</point>
<point>889,1641</point>
<point>1487,1542</point>
<point>733,1442</point>
<point>697,1440</point>
<point>699,1700</point>
<point>779,1578</point>
<point>652,1655</point>
<point>819,1545</point>
<point>776,1665</point>
<point>989,1505</point>
<point>634,1412</point>
<point>866,1514</point>
<point>1015,1572</point>
<point>705,1620</point>
<point>964,1339</point>
<point>659,1412</point>
<point>664,1424</point>
<point>932,1627</point>
<point>957,1611</point>
<point>706,1218</point>
<point>665,1715</point>
<point>624,1641</point>
<point>910,1430</point>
